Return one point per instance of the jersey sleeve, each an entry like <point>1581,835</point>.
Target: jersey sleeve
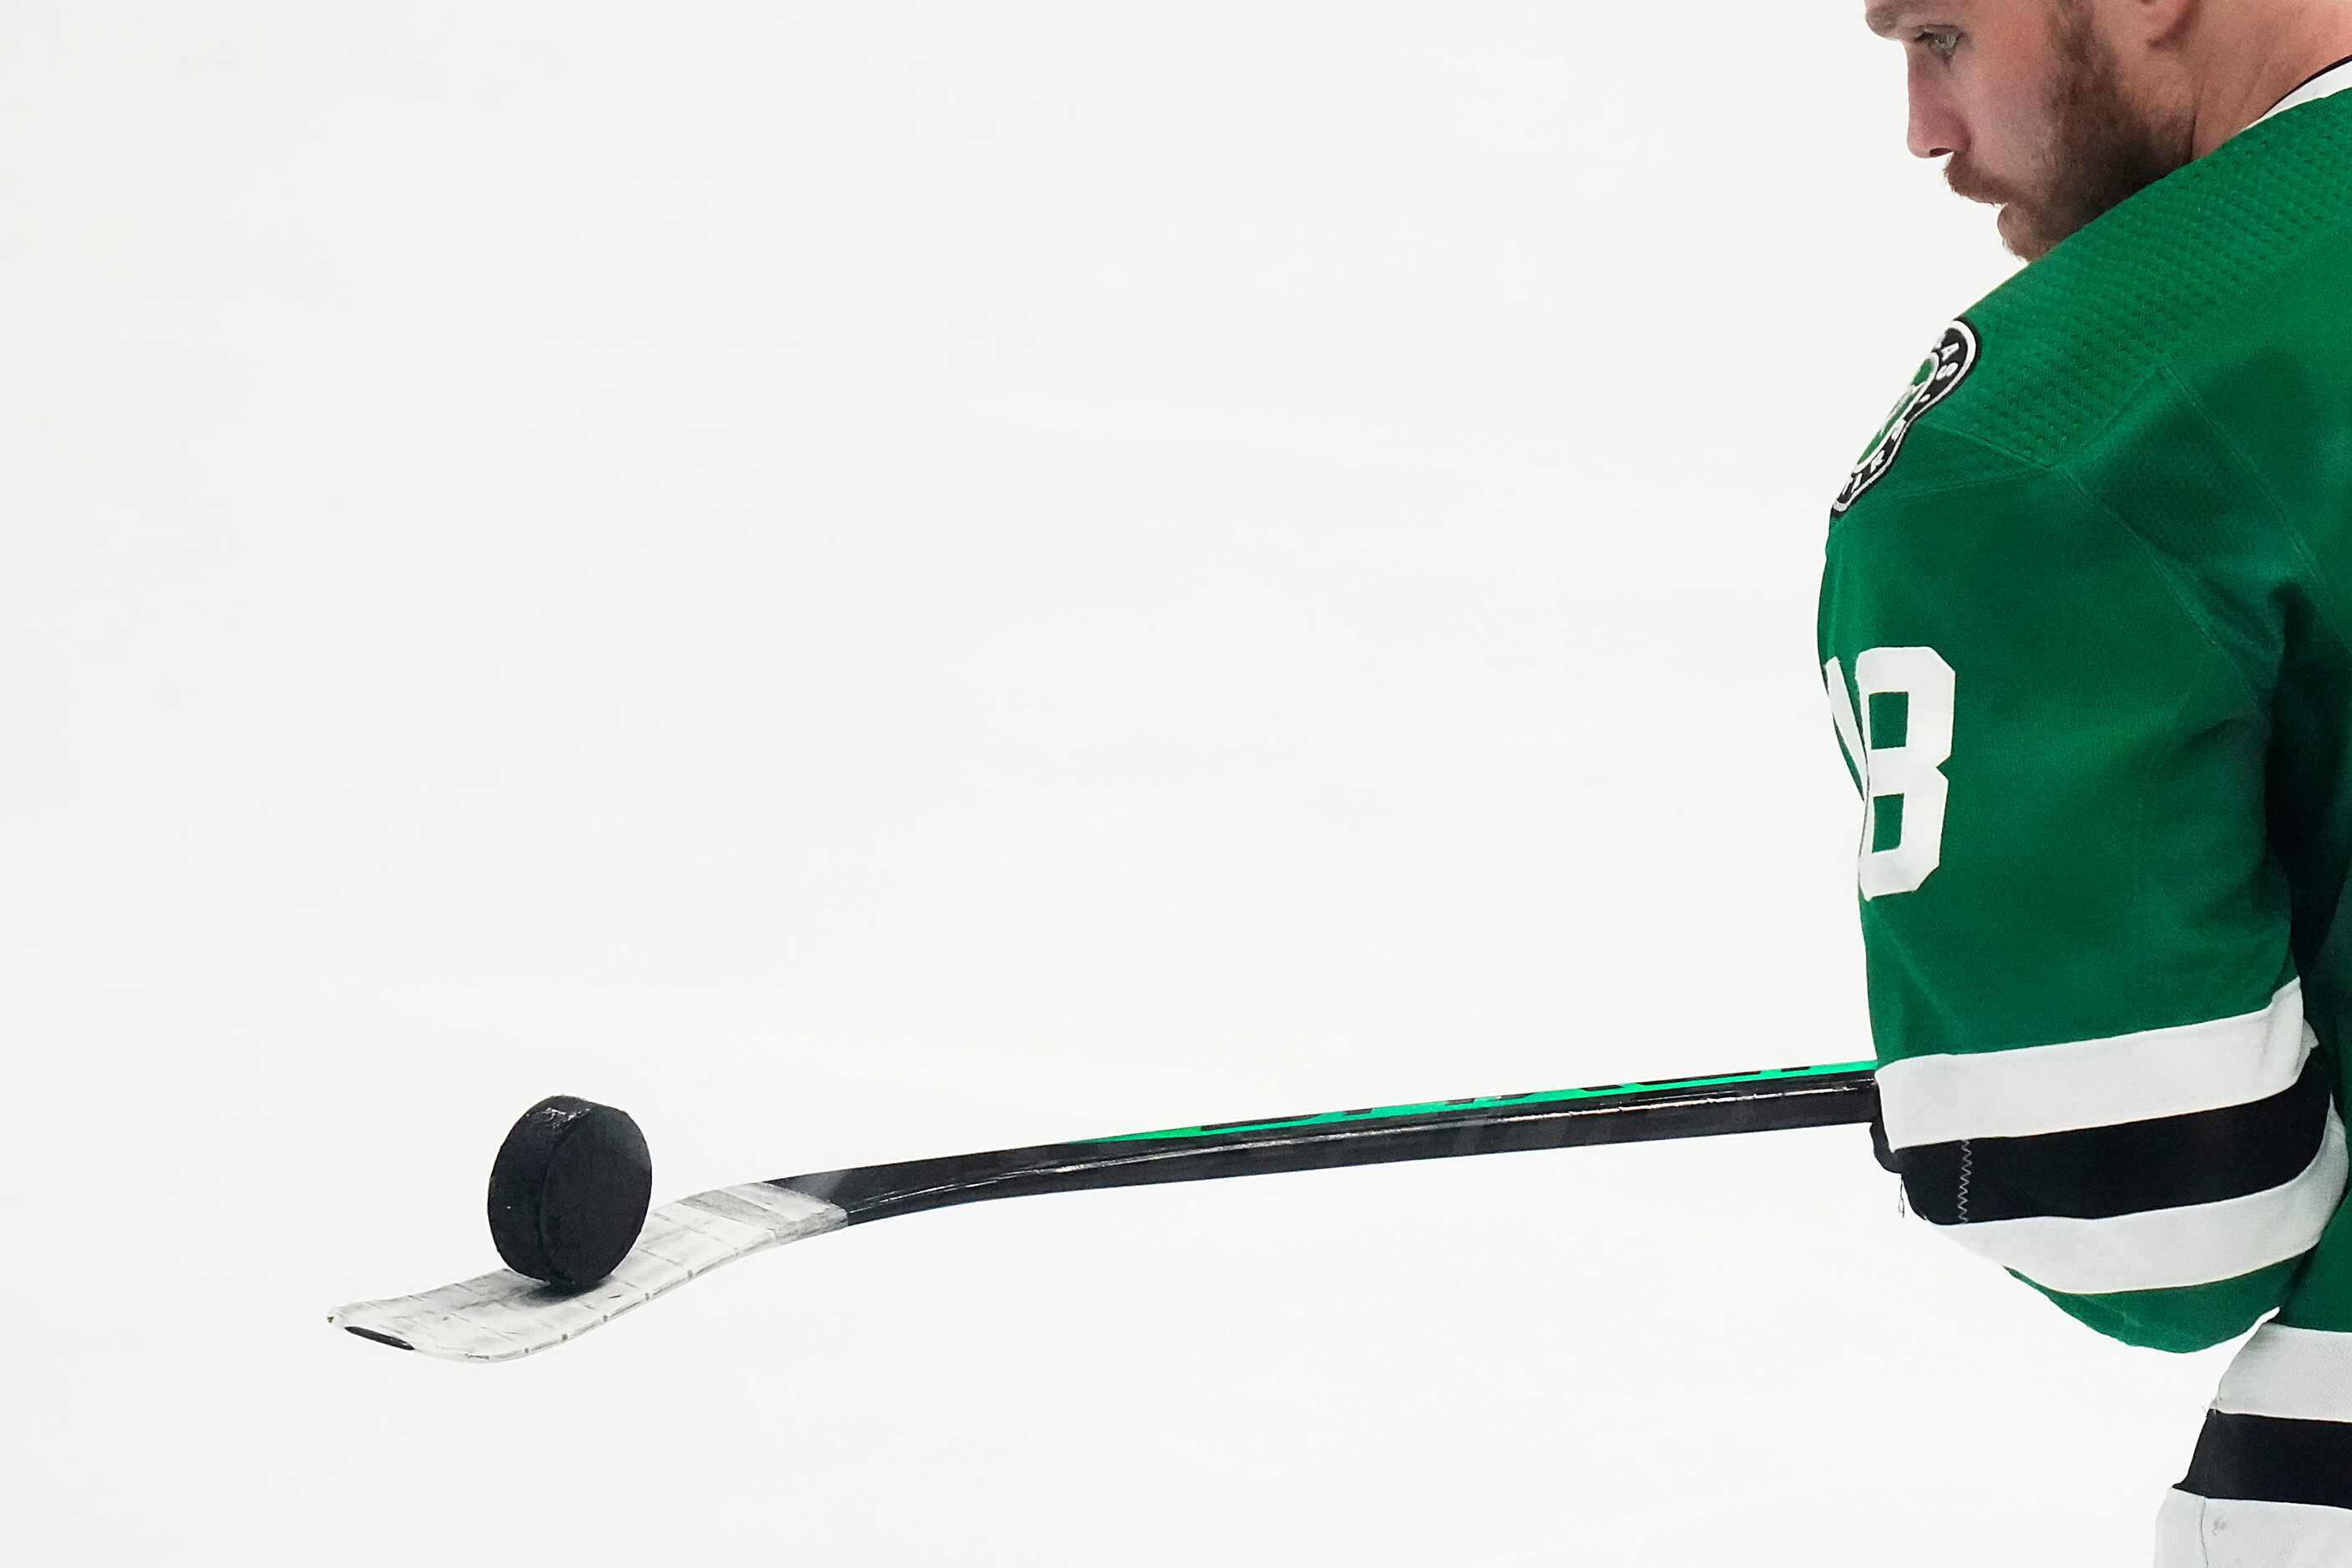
<point>2094,1064</point>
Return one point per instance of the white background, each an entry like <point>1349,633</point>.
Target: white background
<point>873,579</point>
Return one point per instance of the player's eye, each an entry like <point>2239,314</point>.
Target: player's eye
<point>1940,42</point>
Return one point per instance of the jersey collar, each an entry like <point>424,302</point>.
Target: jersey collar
<point>2336,77</point>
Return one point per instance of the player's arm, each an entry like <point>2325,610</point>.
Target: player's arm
<point>2094,1065</point>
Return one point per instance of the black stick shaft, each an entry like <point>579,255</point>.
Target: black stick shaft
<point>1753,1103</point>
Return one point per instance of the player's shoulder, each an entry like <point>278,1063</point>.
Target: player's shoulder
<point>2222,281</point>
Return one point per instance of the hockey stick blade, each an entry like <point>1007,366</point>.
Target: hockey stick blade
<point>503,1315</point>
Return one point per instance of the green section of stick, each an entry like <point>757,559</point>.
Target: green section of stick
<point>1492,1101</point>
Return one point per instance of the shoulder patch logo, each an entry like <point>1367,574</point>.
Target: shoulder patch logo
<point>1942,370</point>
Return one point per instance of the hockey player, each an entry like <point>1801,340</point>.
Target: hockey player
<point>2086,632</point>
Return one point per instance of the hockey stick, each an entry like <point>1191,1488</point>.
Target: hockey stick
<point>503,1315</point>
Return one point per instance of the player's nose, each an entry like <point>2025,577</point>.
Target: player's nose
<point>1935,128</point>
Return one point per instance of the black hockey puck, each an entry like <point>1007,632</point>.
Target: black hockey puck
<point>569,1191</point>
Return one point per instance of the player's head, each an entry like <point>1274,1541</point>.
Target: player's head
<point>2057,109</point>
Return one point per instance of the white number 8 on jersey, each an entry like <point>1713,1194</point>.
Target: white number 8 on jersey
<point>1909,773</point>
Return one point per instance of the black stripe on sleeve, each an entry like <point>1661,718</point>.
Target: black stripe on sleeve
<point>2096,1173</point>
<point>2272,1458</point>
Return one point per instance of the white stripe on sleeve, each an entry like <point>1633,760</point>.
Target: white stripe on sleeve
<point>2197,1244</point>
<point>2034,1090</point>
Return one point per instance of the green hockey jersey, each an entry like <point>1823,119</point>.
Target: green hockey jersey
<point>2083,630</point>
